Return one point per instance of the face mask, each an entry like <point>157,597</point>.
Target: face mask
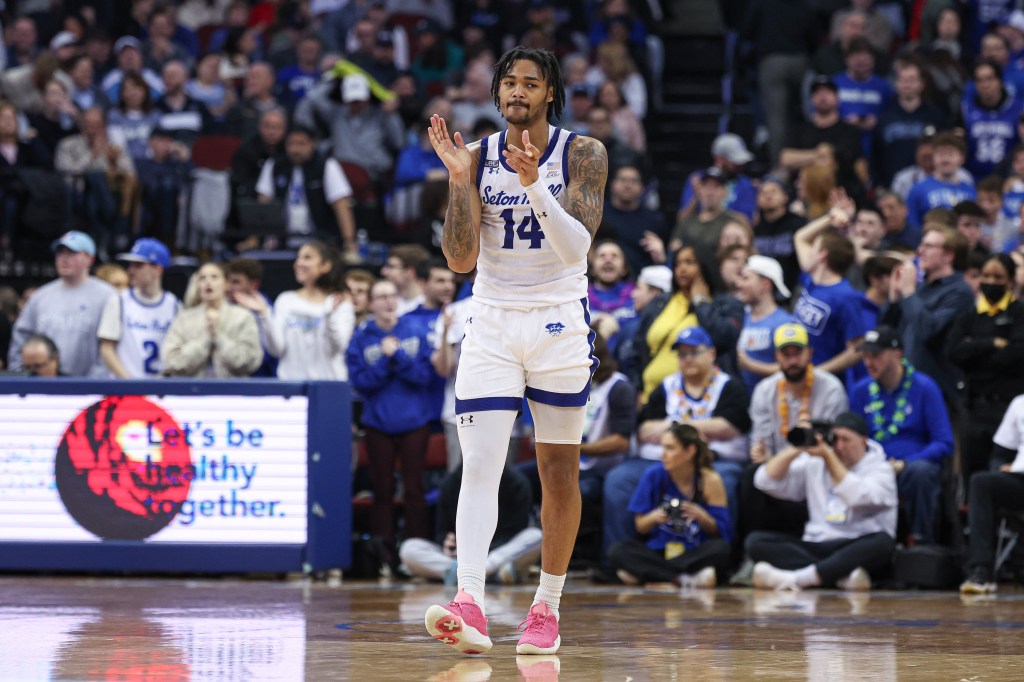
<point>993,292</point>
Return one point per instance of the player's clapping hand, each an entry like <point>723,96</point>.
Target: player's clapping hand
<point>455,156</point>
<point>524,161</point>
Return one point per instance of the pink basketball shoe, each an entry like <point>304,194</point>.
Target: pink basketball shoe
<point>461,625</point>
<point>540,631</point>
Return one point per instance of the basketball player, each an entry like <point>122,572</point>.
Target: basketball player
<point>135,322</point>
<point>522,210</point>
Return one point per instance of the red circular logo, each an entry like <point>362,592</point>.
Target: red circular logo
<point>123,468</point>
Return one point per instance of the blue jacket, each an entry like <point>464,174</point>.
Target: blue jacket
<point>427,319</point>
<point>394,390</point>
<point>926,433</point>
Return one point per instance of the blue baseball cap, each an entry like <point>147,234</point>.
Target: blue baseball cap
<point>147,250</point>
<point>76,241</point>
<point>693,336</point>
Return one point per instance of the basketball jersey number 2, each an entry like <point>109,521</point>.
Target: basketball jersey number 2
<point>528,230</point>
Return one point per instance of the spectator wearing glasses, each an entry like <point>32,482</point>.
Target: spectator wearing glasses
<point>923,313</point>
<point>389,364</point>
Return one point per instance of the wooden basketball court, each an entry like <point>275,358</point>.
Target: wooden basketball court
<point>230,629</point>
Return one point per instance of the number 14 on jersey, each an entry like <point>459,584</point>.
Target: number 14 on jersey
<point>528,230</point>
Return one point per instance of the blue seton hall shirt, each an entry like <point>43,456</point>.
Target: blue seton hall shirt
<point>756,340</point>
<point>831,314</point>
<point>934,193</point>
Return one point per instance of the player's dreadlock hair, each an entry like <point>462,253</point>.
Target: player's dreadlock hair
<point>549,70</point>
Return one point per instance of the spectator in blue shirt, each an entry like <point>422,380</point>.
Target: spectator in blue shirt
<point>294,82</point>
<point>863,96</point>
<point>829,307</point>
<point>437,283</point>
<point>760,283</point>
<point>990,120</point>
<point>906,415</point>
<point>681,507</point>
<point>728,152</point>
<point>944,189</point>
<point>389,364</point>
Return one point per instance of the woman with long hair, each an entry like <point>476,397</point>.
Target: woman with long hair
<point>628,125</point>
<point>813,186</point>
<point>210,337</point>
<point>682,510</point>
<point>133,119</point>
<point>310,327</point>
<point>615,64</point>
<point>652,358</point>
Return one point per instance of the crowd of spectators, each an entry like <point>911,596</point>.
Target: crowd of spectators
<point>827,333</point>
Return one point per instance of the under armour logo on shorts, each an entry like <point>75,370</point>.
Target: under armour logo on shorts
<point>466,419</point>
<point>555,328</point>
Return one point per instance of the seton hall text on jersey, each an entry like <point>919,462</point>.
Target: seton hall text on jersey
<point>503,198</point>
<point>148,325</point>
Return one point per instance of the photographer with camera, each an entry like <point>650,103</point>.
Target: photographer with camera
<point>681,508</point>
<point>850,491</point>
<point>907,415</point>
<point>796,396</point>
<point>699,394</point>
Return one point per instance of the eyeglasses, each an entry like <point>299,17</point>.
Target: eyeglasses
<point>36,367</point>
<point>926,245</point>
<point>687,353</point>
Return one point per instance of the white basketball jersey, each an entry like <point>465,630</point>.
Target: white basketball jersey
<point>143,328</point>
<point>517,267</point>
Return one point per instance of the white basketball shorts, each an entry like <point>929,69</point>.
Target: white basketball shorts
<point>545,353</point>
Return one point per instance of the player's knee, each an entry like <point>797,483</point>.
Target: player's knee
<point>559,474</point>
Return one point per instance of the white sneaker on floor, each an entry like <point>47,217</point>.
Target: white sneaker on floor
<point>857,581</point>
<point>627,578</point>
<point>704,579</point>
<point>767,577</point>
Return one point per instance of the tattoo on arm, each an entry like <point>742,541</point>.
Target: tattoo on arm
<point>588,172</point>
<point>459,237</point>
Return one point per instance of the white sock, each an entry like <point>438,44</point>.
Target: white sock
<point>471,581</point>
<point>807,576</point>
<point>550,591</point>
<point>484,439</point>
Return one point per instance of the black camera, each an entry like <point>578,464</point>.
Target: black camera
<point>677,523</point>
<point>807,436</point>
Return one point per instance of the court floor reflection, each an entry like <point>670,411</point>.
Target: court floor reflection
<point>178,630</point>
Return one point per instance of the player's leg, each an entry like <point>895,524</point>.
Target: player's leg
<point>559,364</point>
<point>558,457</point>
<point>488,388</point>
<point>484,437</point>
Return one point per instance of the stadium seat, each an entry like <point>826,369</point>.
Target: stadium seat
<point>215,151</point>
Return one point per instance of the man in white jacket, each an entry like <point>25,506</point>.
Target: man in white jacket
<point>851,499</point>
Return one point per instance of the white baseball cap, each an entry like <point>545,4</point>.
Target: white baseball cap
<point>732,147</point>
<point>770,269</point>
<point>355,88</point>
<point>657,276</point>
